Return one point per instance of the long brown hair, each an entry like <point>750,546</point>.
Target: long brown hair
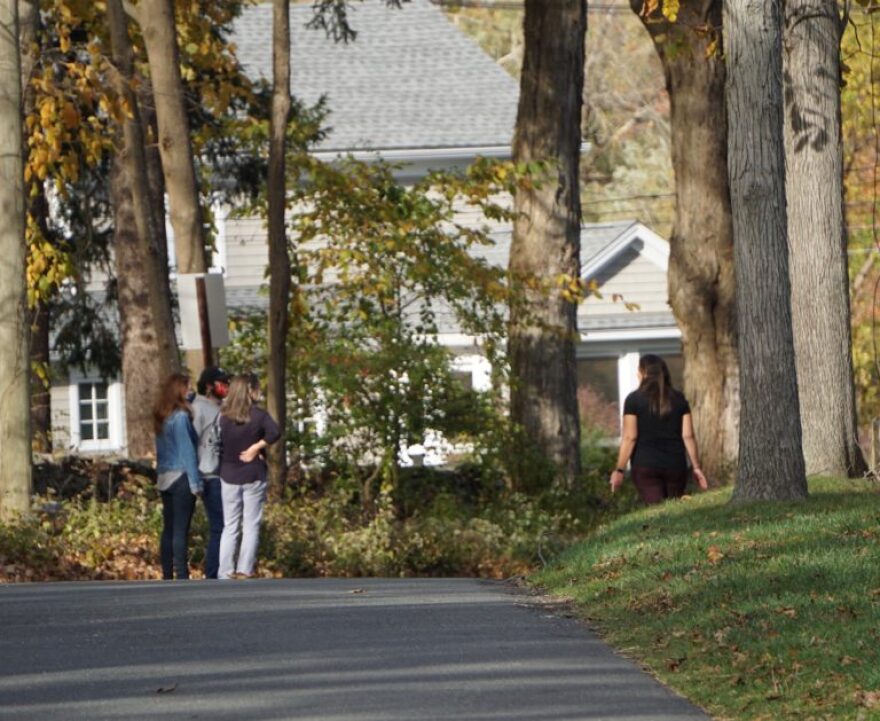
<point>656,384</point>
<point>238,403</point>
<point>171,397</point>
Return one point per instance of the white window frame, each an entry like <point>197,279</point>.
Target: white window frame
<point>478,366</point>
<point>114,416</point>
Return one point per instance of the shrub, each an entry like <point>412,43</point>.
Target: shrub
<point>464,522</point>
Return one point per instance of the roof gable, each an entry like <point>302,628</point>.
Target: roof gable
<point>635,236</point>
<point>600,242</point>
<point>411,79</point>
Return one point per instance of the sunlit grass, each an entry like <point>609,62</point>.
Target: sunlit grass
<point>763,611</point>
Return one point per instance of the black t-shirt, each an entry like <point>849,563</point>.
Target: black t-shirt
<point>659,444</point>
<point>238,437</point>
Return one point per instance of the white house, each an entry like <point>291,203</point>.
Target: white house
<point>417,92</point>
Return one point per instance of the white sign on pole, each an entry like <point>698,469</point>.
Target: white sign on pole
<point>215,296</point>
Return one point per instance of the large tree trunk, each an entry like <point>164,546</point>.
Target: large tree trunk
<point>15,437</point>
<point>156,18</point>
<point>817,238</point>
<point>701,274</point>
<point>279,256</point>
<point>771,462</point>
<point>546,240</point>
<point>149,348</point>
<point>154,176</point>
<point>38,210</point>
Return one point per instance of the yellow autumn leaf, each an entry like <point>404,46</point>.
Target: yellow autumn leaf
<point>69,115</point>
<point>712,47</point>
<point>714,555</point>
<point>671,9</point>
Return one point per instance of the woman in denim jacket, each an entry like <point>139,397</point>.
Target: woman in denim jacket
<point>177,473</point>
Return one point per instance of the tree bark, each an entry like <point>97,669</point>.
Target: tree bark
<point>41,409</point>
<point>15,438</point>
<point>771,462</point>
<point>817,238</point>
<point>279,255</point>
<point>149,347</point>
<point>546,240</point>
<point>156,18</point>
<point>155,178</point>
<point>38,210</point>
<point>701,272</point>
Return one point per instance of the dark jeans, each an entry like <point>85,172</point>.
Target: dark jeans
<point>178,504</point>
<point>655,485</point>
<point>213,500</point>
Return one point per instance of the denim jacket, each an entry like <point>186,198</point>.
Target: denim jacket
<point>176,449</point>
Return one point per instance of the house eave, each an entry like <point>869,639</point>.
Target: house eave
<point>412,164</point>
<point>416,155</point>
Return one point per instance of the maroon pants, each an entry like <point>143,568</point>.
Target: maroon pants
<point>655,485</point>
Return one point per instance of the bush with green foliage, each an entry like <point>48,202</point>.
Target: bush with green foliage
<point>435,522</point>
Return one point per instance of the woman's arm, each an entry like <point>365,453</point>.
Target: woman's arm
<point>690,443</point>
<point>251,452</point>
<point>627,445</point>
<point>271,433</point>
<point>187,443</point>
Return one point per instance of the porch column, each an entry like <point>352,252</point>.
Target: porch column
<point>627,376</point>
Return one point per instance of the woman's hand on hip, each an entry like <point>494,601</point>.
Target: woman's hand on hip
<point>249,454</point>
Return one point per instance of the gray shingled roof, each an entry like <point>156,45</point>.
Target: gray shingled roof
<point>409,80</point>
<point>595,238</point>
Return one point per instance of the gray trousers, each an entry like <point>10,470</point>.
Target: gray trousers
<point>242,514</point>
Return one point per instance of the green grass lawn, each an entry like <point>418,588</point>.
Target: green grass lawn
<point>760,611</point>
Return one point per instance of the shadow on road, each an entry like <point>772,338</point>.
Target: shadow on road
<point>308,649</point>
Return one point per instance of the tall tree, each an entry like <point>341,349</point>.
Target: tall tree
<point>156,19</point>
<point>149,347</point>
<point>771,462</point>
<point>817,238</point>
<point>38,212</point>
<point>546,239</point>
<point>279,254</point>
<point>701,273</point>
<point>15,441</point>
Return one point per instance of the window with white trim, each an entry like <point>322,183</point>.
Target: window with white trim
<point>94,412</point>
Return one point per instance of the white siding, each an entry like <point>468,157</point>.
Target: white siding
<point>96,279</point>
<point>59,400</point>
<point>246,252</point>
<point>472,217</point>
<point>635,278</point>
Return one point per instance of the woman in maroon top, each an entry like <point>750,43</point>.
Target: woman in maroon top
<point>245,431</point>
<point>658,436</point>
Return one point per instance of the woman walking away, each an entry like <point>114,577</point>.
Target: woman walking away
<point>177,470</point>
<point>658,435</point>
<point>245,431</point>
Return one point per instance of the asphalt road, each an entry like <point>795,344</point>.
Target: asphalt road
<point>337,650</point>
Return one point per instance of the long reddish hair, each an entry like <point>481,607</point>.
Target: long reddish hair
<point>171,397</point>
